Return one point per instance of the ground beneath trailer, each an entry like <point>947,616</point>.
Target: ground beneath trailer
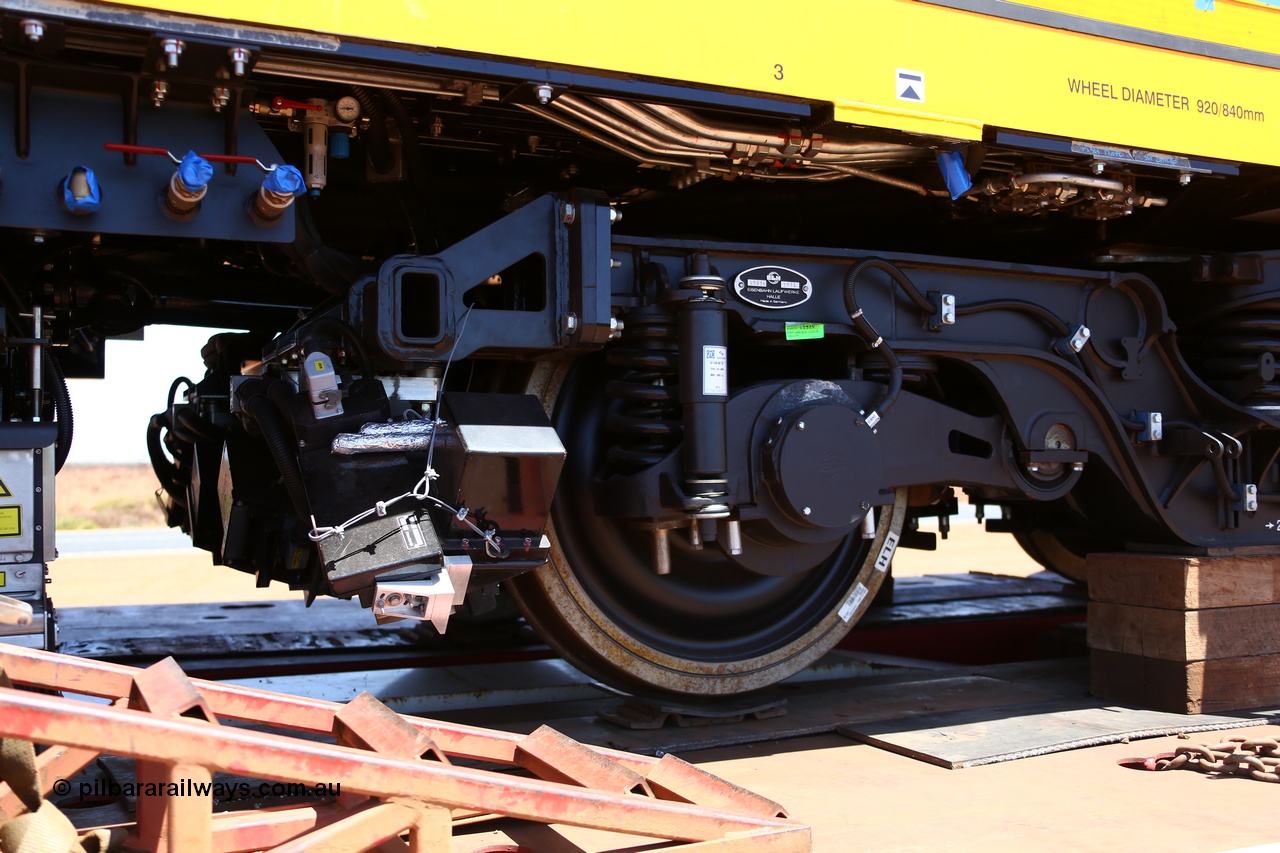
<point>862,797</point>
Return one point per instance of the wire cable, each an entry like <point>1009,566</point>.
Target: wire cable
<point>422,489</point>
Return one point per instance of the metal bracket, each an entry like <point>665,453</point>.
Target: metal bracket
<point>590,292</point>
<point>945,315</point>
<point>1153,426</point>
<point>426,600</point>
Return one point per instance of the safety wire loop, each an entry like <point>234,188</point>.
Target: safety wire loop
<point>1256,758</point>
<point>422,489</point>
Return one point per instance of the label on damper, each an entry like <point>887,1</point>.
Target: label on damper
<point>715,371</point>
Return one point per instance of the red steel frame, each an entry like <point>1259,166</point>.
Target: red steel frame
<point>395,770</point>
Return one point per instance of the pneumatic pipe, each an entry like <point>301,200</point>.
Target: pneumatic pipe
<point>868,333</point>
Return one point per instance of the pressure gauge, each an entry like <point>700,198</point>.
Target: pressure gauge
<point>347,108</point>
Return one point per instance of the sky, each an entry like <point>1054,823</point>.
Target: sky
<point>111,414</point>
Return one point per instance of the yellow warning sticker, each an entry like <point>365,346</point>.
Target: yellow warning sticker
<point>4,490</point>
<point>1,580</point>
<point>10,521</point>
<point>319,365</point>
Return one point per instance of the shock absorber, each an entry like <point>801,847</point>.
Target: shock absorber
<point>704,397</point>
<point>649,421</point>
<point>704,380</point>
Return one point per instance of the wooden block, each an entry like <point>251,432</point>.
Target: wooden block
<point>1185,635</point>
<point>1197,687</point>
<point>1184,583</point>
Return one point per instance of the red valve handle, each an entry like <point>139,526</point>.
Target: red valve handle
<point>230,158</point>
<point>136,149</point>
<point>279,103</point>
<point>212,158</point>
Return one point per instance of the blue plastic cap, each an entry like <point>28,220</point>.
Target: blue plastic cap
<point>952,165</point>
<point>81,196</point>
<point>285,180</point>
<point>339,145</point>
<point>195,172</point>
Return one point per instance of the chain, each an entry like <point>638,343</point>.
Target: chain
<point>1256,758</point>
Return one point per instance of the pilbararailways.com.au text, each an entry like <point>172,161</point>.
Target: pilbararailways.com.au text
<point>102,788</point>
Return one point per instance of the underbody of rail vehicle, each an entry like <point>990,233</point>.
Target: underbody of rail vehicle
<point>666,325</point>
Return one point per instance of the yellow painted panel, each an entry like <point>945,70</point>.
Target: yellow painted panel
<point>978,71</point>
<point>1249,24</point>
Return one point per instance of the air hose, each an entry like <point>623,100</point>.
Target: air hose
<point>868,333</point>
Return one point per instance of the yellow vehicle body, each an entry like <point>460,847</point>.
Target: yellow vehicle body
<point>1194,77</point>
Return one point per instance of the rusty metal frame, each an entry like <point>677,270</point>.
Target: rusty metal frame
<point>396,771</point>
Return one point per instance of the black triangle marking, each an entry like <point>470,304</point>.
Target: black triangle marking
<point>4,490</point>
<point>909,95</point>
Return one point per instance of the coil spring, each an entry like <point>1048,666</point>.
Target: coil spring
<point>649,419</point>
<point>1234,351</point>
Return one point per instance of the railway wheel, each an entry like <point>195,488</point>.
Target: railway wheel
<point>710,627</point>
<point>1065,556</point>
<point>1048,536</point>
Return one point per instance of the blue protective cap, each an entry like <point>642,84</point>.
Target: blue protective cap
<point>952,165</point>
<point>284,180</point>
<point>81,196</point>
<point>339,145</point>
<point>195,172</point>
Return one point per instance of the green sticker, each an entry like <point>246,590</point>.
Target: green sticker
<point>805,331</point>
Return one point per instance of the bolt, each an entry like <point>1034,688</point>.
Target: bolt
<point>1077,466</point>
<point>806,510</point>
<point>39,490</point>
<point>569,323</point>
<point>33,29</point>
<point>543,93</point>
<point>394,598</point>
<point>239,58</point>
<point>1098,167</point>
<point>568,214</point>
<point>800,426</point>
<point>159,92</point>
<point>38,240</point>
<point>866,505</point>
<point>615,215</point>
<point>1184,178</point>
<point>221,97</point>
<point>172,50</point>
<point>1033,468</point>
<point>614,264</point>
